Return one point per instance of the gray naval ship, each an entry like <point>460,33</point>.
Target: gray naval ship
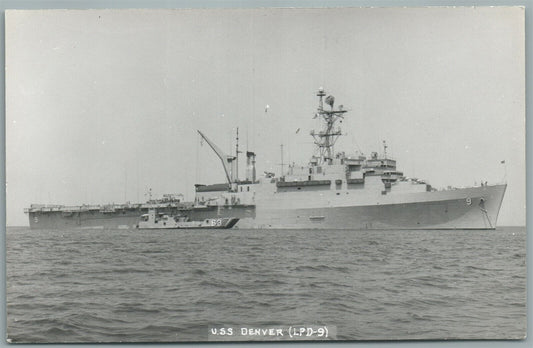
<point>333,191</point>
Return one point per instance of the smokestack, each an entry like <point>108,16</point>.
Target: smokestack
<point>250,166</point>
<point>233,168</point>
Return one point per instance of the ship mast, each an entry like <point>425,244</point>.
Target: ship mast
<point>325,139</point>
<point>237,152</point>
<point>282,164</point>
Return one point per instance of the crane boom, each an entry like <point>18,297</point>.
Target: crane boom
<point>224,158</point>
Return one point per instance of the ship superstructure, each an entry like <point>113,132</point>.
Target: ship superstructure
<point>338,190</point>
<point>334,190</point>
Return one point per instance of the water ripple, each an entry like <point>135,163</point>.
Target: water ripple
<point>168,286</point>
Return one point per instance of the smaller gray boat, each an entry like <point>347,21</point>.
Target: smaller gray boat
<point>154,220</point>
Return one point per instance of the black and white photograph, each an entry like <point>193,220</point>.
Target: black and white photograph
<point>265,174</point>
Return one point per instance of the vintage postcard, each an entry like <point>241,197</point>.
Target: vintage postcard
<point>289,174</point>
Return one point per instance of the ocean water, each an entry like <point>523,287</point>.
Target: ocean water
<point>160,286</point>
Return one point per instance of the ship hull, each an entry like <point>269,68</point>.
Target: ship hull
<point>209,224</point>
<point>469,208</point>
<point>90,219</point>
<point>472,208</point>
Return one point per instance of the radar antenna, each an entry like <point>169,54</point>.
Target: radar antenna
<point>325,139</point>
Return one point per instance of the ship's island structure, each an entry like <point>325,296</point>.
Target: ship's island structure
<point>333,191</point>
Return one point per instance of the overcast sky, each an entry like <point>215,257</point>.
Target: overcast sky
<point>104,104</point>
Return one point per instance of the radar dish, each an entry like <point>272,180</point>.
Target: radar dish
<point>330,100</point>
